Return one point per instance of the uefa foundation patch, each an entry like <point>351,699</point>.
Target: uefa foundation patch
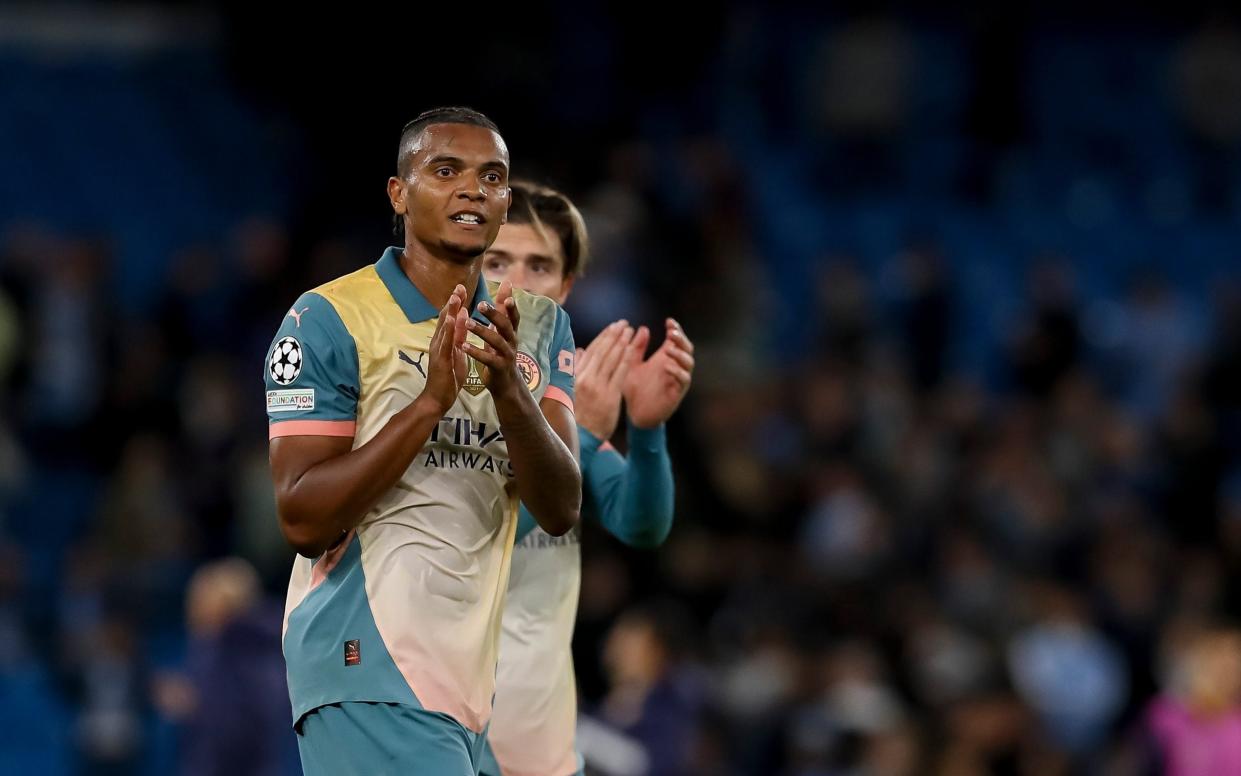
<point>295,400</point>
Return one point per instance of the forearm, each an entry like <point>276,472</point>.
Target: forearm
<point>333,496</point>
<point>549,482</point>
<point>634,497</point>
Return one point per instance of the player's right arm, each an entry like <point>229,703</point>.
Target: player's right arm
<point>323,486</point>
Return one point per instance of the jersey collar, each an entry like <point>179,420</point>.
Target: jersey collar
<point>410,299</point>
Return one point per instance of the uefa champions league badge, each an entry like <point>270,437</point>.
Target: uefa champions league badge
<point>286,361</point>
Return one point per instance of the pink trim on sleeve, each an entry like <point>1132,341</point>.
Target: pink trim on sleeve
<point>334,428</point>
<point>556,394</point>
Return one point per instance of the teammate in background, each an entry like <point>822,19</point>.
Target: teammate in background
<point>409,412</point>
<point>542,249</point>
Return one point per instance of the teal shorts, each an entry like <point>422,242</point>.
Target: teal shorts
<point>489,767</point>
<point>382,739</point>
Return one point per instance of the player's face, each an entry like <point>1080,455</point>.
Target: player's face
<point>528,260</point>
<point>456,194</point>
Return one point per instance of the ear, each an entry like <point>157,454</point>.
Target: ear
<point>396,195</point>
<point>566,285</point>
<point>508,195</point>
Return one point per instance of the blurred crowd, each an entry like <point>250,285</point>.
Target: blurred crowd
<point>947,503</point>
<point>886,565</point>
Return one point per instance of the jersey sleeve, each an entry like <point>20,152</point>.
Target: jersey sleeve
<point>311,373</point>
<point>633,497</point>
<point>560,386</point>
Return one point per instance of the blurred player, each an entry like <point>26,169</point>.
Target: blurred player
<point>542,249</point>
<point>408,414</point>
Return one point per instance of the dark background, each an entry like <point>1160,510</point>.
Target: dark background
<point>959,483</point>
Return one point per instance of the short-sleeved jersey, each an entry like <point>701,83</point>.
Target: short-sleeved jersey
<point>405,608</point>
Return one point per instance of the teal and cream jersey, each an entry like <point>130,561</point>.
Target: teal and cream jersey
<point>532,730</point>
<point>535,716</point>
<point>407,607</point>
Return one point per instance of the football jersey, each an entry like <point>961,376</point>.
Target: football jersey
<point>533,726</point>
<point>407,607</point>
<point>536,711</point>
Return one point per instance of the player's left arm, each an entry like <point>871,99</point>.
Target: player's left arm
<point>635,496</point>
<point>541,437</point>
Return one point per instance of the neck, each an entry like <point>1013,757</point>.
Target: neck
<point>435,277</point>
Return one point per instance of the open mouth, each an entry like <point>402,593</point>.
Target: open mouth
<point>468,219</point>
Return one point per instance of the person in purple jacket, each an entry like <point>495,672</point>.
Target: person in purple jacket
<point>1194,726</point>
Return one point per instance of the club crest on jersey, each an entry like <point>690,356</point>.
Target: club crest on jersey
<point>286,361</point>
<point>529,369</point>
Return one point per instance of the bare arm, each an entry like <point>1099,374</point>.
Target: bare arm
<point>549,481</point>
<point>542,444</point>
<point>324,488</point>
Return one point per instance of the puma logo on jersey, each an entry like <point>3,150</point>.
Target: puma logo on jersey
<point>296,316</point>
<point>416,364</point>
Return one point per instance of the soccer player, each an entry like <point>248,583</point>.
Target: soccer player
<point>409,411</point>
<point>542,249</point>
